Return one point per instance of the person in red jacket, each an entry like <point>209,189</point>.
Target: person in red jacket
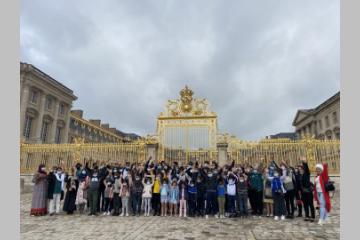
<point>321,196</point>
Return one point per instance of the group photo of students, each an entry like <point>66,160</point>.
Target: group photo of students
<point>206,190</point>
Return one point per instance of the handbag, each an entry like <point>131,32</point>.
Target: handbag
<point>329,186</point>
<point>268,192</point>
<point>288,183</point>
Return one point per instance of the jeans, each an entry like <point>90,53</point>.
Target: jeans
<point>147,204</point>
<point>211,200</point>
<point>108,204</point>
<point>323,212</point>
<point>289,200</point>
<point>307,198</point>
<point>125,205</point>
<point>192,203</point>
<point>136,203</point>
<point>279,204</point>
<point>54,205</point>
<point>231,204</point>
<point>93,198</point>
<point>242,203</point>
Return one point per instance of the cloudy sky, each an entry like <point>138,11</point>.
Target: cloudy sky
<point>256,62</point>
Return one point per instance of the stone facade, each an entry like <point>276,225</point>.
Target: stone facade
<point>323,121</point>
<point>92,130</point>
<point>44,107</point>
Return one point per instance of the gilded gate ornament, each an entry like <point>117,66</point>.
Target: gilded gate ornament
<point>186,99</point>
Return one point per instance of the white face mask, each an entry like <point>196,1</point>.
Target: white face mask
<point>43,169</point>
<point>276,174</point>
<point>255,171</point>
<point>241,180</point>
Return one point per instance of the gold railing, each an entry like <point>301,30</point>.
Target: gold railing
<point>289,151</point>
<point>67,155</point>
<point>242,152</point>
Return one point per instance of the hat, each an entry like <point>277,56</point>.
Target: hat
<point>319,166</point>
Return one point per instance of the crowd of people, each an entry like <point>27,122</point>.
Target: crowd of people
<point>195,190</point>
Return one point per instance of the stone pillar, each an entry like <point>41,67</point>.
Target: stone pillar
<point>65,138</point>
<point>52,132</point>
<point>37,138</point>
<point>222,154</point>
<point>152,151</point>
<point>23,107</point>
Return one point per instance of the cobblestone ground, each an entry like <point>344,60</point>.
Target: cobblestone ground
<point>107,227</point>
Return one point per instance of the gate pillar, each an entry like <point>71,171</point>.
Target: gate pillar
<point>152,151</point>
<point>222,154</point>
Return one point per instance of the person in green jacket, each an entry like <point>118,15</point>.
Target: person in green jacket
<point>257,186</point>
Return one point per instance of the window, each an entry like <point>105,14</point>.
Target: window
<point>335,120</point>
<point>27,128</point>
<point>62,109</point>
<point>327,121</point>
<point>33,96</point>
<point>48,103</point>
<point>320,124</point>
<point>58,135</point>
<point>44,131</point>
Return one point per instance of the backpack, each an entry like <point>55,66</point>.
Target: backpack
<point>329,186</point>
<point>288,183</point>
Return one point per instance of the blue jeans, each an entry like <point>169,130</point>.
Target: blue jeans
<point>323,213</point>
<point>231,204</point>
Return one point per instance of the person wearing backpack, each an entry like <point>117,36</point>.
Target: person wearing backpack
<point>321,195</point>
<point>289,185</point>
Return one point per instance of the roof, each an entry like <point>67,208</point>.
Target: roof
<point>49,78</point>
<point>290,135</point>
<point>313,111</point>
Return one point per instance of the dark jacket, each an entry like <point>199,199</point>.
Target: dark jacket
<point>256,181</point>
<point>306,184</point>
<point>51,185</point>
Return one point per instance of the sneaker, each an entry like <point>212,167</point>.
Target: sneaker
<point>206,216</point>
<point>282,217</point>
<point>276,218</point>
<point>222,216</point>
<point>127,214</point>
<point>105,213</point>
<point>321,222</point>
<point>108,213</point>
<point>216,216</point>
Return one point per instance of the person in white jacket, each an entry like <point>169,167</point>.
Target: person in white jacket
<point>148,182</point>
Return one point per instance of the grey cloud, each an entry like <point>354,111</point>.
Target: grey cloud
<point>256,61</point>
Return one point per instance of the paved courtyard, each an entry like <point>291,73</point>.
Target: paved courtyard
<point>107,227</point>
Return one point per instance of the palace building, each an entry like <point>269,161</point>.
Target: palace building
<point>322,121</point>
<point>46,115</point>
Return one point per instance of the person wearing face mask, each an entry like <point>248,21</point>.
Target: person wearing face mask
<point>257,186</point>
<point>156,195</point>
<point>211,182</point>
<point>298,191</point>
<point>307,192</point>
<point>81,195</point>
<point>39,197</point>
<point>321,196</point>
<point>70,196</point>
<point>200,198</point>
<point>148,182</point>
<point>278,191</point>
<point>93,191</point>
<point>192,195</point>
<point>58,188</point>
<point>242,194</point>
<point>116,194</point>
<point>136,190</point>
<point>231,193</point>
<point>51,185</point>
<point>289,185</point>
<point>268,196</point>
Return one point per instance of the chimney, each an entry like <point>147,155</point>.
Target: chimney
<point>78,113</point>
<point>105,125</point>
<point>97,122</point>
<point>113,130</point>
